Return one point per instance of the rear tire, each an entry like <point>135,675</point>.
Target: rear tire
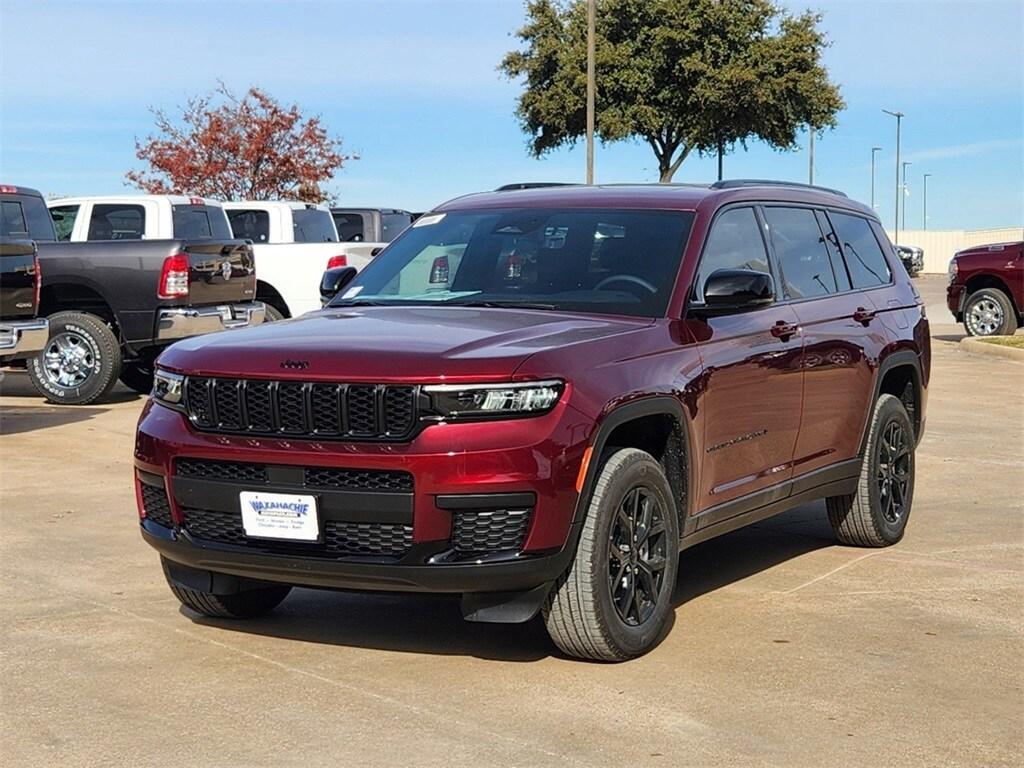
<point>628,552</point>
<point>273,314</point>
<point>137,377</point>
<point>81,361</point>
<point>248,604</point>
<point>989,312</point>
<point>876,514</point>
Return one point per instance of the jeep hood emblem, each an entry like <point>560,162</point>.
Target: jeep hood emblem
<point>295,365</point>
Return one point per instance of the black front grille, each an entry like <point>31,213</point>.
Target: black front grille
<point>156,505</point>
<point>306,409</point>
<point>479,532</point>
<point>340,539</point>
<point>358,479</point>
<point>205,469</point>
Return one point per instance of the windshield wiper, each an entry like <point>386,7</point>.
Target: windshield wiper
<point>490,304</point>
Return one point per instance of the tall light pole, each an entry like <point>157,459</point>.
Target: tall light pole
<point>924,202</point>
<point>591,24</point>
<point>896,217</point>
<point>873,151</point>
<point>905,164</point>
<point>810,160</point>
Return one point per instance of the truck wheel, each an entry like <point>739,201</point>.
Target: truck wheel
<point>988,312</point>
<point>137,376</point>
<point>614,601</point>
<point>249,604</point>
<point>81,361</point>
<point>272,315</point>
<point>876,514</point>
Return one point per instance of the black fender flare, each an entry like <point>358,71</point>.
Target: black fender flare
<point>654,405</point>
<point>896,359</point>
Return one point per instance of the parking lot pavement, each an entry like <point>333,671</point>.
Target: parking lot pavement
<point>787,649</point>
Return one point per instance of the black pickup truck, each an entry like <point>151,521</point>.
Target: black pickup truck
<point>113,305</point>
<point>21,332</point>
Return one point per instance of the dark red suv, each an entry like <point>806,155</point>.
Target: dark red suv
<point>537,398</point>
<point>986,289</point>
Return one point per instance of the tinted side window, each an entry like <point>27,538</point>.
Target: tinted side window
<point>801,250</point>
<point>863,254</point>
<point>350,227</point>
<point>250,225</point>
<point>735,242</point>
<point>64,220</point>
<point>392,225</point>
<point>37,216</point>
<point>117,222</point>
<point>12,220</point>
<point>313,225</point>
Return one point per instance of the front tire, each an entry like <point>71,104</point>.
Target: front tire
<point>81,361</point>
<point>272,314</point>
<point>247,604</point>
<point>614,601</point>
<point>876,514</point>
<point>989,312</point>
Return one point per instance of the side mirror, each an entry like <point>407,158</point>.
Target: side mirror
<point>333,281</point>
<point>729,291</point>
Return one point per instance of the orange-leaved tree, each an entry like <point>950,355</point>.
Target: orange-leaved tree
<point>251,148</point>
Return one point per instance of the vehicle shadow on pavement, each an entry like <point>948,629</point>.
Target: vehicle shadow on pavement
<point>16,419</point>
<point>433,624</point>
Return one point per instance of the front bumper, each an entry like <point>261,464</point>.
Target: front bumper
<point>457,469</point>
<point>956,295</point>
<point>182,322</point>
<point>23,337</point>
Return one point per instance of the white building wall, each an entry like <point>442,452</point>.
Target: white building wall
<point>941,244</point>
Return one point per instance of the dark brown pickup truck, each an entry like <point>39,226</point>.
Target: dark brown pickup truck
<point>21,332</point>
<point>114,304</point>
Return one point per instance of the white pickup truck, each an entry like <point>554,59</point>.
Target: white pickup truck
<point>293,243</point>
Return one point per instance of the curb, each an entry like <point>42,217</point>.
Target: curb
<point>976,346</point>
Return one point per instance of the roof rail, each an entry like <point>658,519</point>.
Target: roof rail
<point>534,185</point>
<point>736,183</point>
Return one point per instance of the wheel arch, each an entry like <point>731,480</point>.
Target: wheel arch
<point>76,297</point>
<point>899,374</point>
<point>658,425</point>
<point>988,280</point>
<point>268,294</point>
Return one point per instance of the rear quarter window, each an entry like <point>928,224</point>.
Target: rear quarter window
<point>862,252</point>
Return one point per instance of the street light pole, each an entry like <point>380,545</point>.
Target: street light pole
<point>810,160</point>
<point>905,164</point>
<point>896,217</point>
<point>873,151</point>
<point>591,24</point>
<point>924,202</point>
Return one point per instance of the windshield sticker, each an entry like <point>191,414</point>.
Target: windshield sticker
<point>353,292</point>
<point>426,221</point>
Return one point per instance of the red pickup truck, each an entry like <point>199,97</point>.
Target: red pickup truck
<point>986,288</point>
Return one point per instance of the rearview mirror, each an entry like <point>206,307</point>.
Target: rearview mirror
<point>333,281</point>
<point>737,290</point>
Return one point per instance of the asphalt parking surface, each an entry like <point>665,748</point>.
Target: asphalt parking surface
<point>787,649</point>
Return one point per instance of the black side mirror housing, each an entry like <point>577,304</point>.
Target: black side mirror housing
<point>333,281</point>
<point>730,291</point>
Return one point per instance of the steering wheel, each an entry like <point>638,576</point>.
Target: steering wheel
<point>632,279</point>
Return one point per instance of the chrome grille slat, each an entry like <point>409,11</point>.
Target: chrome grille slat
<point>302,409</point>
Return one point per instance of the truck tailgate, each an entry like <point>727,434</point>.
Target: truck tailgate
<point>220,272</point>
<point>17,278</point>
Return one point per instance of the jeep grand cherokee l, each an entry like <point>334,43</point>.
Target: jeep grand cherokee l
<point>537,398</point>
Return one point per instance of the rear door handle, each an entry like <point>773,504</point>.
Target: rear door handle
<point>783,330</point>
<point>863,316</point>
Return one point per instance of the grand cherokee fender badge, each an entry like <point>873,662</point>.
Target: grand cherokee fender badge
<point>295,365</point>
<point>736,440</point>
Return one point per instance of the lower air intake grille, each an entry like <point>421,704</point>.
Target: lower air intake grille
<point>340,538</point>
<point>156,506</point>
<point>480,532</point>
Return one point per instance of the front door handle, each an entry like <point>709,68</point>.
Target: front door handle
<point>863,316</point>
<point>783,330</point>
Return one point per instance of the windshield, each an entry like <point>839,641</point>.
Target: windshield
<point>313,225</point>
<point>621,262</point>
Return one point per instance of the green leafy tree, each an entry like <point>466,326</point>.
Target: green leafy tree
<point>680,75</point>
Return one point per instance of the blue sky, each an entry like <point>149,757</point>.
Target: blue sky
<point>412,87</point>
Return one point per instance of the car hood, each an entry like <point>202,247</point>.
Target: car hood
<point>384,344</point>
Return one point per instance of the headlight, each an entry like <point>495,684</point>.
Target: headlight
<point>168,387</point>
<point>491,401</point>
<point>953,269</point>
